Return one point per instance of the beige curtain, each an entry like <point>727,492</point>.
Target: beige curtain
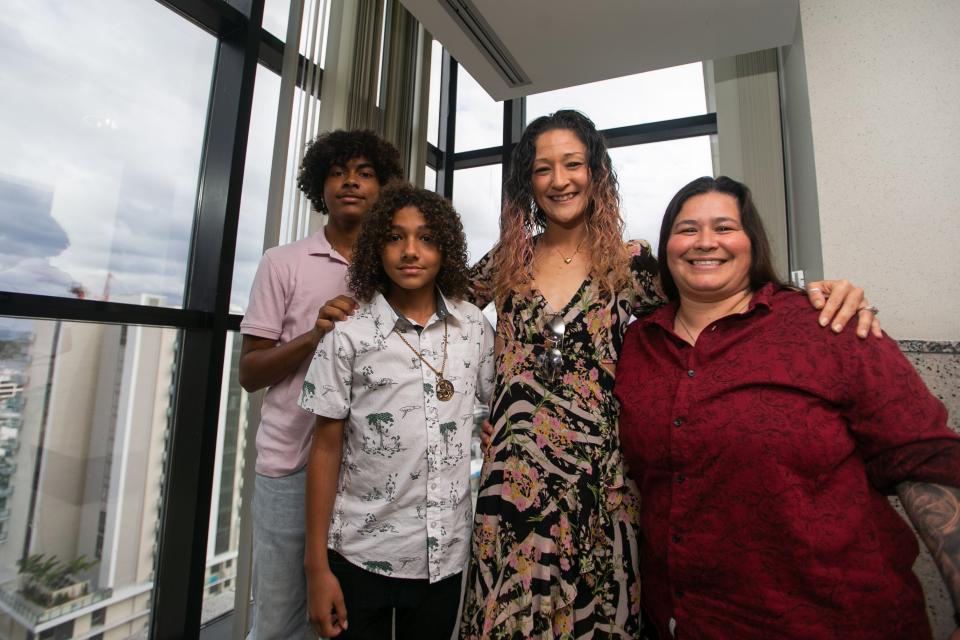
<point>392,75</point>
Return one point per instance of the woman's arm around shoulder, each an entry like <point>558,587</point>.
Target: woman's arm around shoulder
<point>645,272</point>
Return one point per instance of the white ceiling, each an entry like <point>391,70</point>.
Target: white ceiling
<point>562,43</point>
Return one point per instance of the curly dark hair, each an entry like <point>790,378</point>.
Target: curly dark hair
<point>337,148</point>
<point>366,274</point>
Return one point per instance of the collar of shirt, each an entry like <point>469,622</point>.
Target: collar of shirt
<point>396,319</point>
<point>663,317</point>
<point>318,245</point>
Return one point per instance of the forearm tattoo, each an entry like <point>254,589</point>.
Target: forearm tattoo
<point>935,511</point>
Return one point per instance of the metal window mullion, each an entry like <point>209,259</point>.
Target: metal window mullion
<point>188,480</point>
<point>214,16</point>
<point>448,124</point>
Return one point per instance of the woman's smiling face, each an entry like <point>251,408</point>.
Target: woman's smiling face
<point>561,177</point>
<point>708,252</point>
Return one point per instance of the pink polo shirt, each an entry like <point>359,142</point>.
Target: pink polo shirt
<point>292,283</point>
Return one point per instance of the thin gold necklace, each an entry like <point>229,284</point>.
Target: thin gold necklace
<point>444,386</point>
<point>684,326</point>
<point>567,260</point>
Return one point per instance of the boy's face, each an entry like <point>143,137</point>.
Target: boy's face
<point>411,257</point>
<point>351,190</point>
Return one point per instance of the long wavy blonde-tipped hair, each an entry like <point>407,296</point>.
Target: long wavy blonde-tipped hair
<point>521,219</point>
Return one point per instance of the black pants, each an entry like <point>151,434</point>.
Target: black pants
<point>423,610</point>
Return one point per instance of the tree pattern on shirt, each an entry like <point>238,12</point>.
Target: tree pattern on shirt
<point>386,443</point>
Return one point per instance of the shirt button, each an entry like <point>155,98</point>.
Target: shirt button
<point>433,485</point>
<point>433,525</point>
<point>691,373</point>
<point>680,478</point>
<point>678,422</point>
<point>676,539</point>
<point>678,593</point>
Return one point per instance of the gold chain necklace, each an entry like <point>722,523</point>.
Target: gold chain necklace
<point>444,386</point>
<point>567,260</point>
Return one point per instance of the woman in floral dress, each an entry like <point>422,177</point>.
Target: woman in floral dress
<point>555,549</point>
<point>555,542</point>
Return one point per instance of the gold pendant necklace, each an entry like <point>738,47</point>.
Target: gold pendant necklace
<point>567,260</point>
<point>444,386</point>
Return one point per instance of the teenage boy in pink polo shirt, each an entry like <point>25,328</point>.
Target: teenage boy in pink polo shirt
<point>341,174</point>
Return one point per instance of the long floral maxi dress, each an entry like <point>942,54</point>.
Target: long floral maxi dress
<point>554,550</point>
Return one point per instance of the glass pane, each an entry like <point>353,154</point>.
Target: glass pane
<point>433,108</point>
<point>224,533</point>
<point>256,183</point>
<point>84,415</point>
<point>664,94</point>
<point>479,118</point>
<point>276,15</point>
<point>429,179</point>
<point>476,197</point>
<point>101,128</point>
<point>649,175</point>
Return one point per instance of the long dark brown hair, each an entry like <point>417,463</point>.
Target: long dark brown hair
<point>761,262</point>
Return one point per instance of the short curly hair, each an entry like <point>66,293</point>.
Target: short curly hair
<point>366,274</point>
<point>339,147</point>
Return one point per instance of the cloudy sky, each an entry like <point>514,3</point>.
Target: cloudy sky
<point>101,132</point>
<point>102,128</point>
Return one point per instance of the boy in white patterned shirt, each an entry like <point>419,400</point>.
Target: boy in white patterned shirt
<point>394,387</point>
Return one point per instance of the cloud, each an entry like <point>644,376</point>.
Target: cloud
<point>36,275</point>
<point>27,229</point>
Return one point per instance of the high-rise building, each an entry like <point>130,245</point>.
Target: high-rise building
<point>85,423</point>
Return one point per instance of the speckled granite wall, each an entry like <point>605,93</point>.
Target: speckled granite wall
<point>939,365</point>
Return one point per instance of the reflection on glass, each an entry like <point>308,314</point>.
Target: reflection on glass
<point>219,586</point>
<point>256,183</point>
<point>84,416</point>
<point>433,109</point>
<point>664,94</point>
<point>649,175</point>
<point>100,152</point>
<point>429,179</point>
<point>476,197</point>
<point>479,118</point>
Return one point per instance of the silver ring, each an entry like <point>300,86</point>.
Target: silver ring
<point>871,308</point>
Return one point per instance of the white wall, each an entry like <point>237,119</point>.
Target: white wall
<point>883,79</point>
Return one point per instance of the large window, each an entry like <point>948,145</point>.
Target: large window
<point>256,183</point>
<point>479,118</point>
<point>101,129</point>
<point>656,124</point>
<point>84,423</point>
<point>476,197</point>
<point>645,97</point>
<point>649,175</point>
<point>123,131</point>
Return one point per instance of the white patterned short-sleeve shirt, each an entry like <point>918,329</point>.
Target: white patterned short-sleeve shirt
<point>403,505</point>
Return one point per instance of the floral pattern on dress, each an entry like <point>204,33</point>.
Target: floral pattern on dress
<point>554,546</point>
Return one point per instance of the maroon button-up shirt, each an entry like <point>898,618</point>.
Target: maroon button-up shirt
<point>762,455</point>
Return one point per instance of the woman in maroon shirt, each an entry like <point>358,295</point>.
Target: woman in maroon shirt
<point>763,449</point>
